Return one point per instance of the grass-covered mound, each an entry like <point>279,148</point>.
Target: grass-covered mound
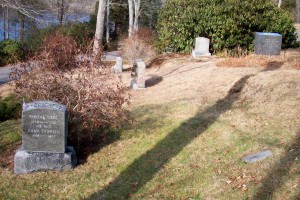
<point>190,133</point>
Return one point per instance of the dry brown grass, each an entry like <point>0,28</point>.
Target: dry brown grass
<point>191,132</point>
<point>288,59</point>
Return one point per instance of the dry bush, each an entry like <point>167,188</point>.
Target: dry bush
<point>58,51</point>
<point>139,45</point>
<point>93,94</point>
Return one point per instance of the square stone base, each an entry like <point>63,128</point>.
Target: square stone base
<point>26,162</point>
<point>197,54</point>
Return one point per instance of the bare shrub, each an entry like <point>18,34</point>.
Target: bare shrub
<point>93,94</point>
<point>58,51</point>
<point>140,45</point>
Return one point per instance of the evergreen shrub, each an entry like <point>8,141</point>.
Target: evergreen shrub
<point>10,52</point>
<point>10,107</point>
<point>229,24</point>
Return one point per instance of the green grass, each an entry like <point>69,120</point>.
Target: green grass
<point>174,151</point>
<point>9,134</point>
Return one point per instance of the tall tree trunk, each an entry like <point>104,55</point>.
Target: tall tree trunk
<point>298,11</point>
<point>107,21</point>
<point>130,9</point>
<point>137,4</point>
<point>99,26</point>
<point>21,27</point>
<point>6,23</point>
<point>60,11</point>
<point>279,3</point>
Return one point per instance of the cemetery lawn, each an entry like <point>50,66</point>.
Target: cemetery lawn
<point>193,125</point>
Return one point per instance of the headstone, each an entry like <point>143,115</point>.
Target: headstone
<point>257,156</point>
<point>267,43</point>
<point>44,139</point>
<point>139,80</point>
<point>201,47</point>
<point>118,67</point>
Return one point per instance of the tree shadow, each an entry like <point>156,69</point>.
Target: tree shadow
<point>159,60</point>
<point>279,173</point>
<point>153,80</point>
<point>92,144</point>
<point>144,168</point>
<point>273,65</point>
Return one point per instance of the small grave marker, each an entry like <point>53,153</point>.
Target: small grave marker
<point>138,74</point>
<point>118,67</point>
<point>201,47</point>
<point>267,43</point>
<point>257,156</point>
<point>44,139</point>
<point>141,67</point>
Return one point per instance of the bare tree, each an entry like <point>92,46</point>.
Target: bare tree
<point>298,11</point>
<point>60,7</point>
<point>99,26</point>
<point>29,8</point>
<point>5,22</point>
<point>134,12</point>
<point>130,9</point>
<point>107,20</point>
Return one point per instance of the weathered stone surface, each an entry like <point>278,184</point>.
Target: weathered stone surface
<point>141,79</point>
<point>118,67</point>
<point>267,43</point>
<point>44,139</point>
<point>257,156</point>
<point>201,47</point>
<point>44,127</point>
<point>26,162</point>
<point>133,84</point>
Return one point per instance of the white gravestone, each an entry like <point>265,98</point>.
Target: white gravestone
<point>118,67</point>
<point>141,67</point>
<point>201,47</point>
<point>138,80</point>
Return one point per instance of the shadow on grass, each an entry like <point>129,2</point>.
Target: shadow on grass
<point>153,80</point>
<point>91,144</point>
<point>280,172</point>
<point>145,118</point>
<point>143,169</point>
<point>148,118</point>
<point>273,65</point>
<point>159,60</point>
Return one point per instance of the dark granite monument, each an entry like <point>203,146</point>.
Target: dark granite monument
<point>44,139</point>
<point>267,43</point>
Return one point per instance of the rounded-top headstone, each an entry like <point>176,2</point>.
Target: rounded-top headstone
<point>201,47</point>
<point>118,67</point>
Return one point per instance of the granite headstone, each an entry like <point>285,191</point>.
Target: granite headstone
<point>44,139</point>
<point>141,67</point>
<point>267,43</point>
<point>201,47</point>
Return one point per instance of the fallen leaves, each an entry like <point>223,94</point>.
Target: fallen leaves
<point>241,181</point>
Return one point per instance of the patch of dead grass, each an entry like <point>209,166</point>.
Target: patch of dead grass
<point>288,59</point>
